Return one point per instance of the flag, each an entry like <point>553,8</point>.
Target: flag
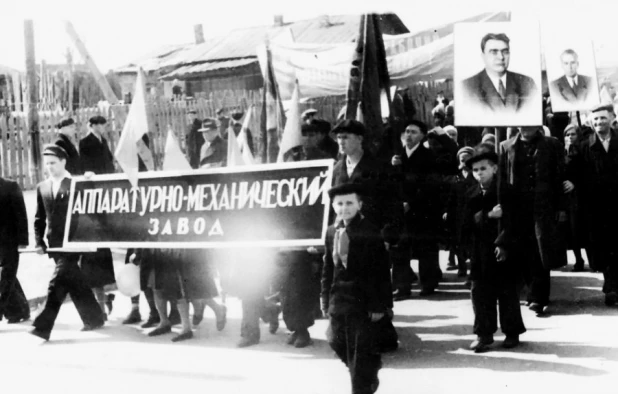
<point>273,117</point>
<point>238,152</point>
<point>369,77</point>
<point>174,159</point>
<point>292,135</point>
<point>131,141</point>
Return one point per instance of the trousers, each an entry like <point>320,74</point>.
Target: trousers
<point>487,295</point>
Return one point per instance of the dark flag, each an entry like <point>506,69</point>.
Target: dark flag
<point>368,77</point>
<point>272,120</point>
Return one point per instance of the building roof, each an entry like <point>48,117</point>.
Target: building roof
<point>186,72</point>
<point>242,44</point>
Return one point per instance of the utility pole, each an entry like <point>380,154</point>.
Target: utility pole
<point>33,98</point>
<point>69,56</point>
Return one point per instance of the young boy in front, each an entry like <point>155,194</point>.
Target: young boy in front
<point>492,273</point>
<point>356,287</point>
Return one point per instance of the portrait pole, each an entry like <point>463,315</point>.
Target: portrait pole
<point>579,119</point>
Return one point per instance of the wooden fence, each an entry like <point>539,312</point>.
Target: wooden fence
<point>15,141</point>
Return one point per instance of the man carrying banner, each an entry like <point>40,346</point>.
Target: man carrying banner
<point>13,235</point>
<point>49,222</point>
<point>96,158</point>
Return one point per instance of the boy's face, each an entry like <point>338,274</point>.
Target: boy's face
<point>484,171</point>
<point>349,143</point>
<point>54,165</point>
<point>347,206</point>
<point>412,136</point>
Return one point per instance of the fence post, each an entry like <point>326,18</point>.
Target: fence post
<point>33,115</point>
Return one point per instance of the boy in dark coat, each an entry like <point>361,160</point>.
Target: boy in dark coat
<point>356,288</point>
<point>492,272</point>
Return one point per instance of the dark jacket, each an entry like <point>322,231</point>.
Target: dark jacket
<point>13,217</point>
<point>95,155</point>
<point>51,213</point>
<point>382,204</point>
<point>519,91</point>
<point>484,234</point>
<point>214,155</point>
<point>456,204</point>
<point>549,198</point>
<point>561,90</point>
<point>365,285</point>
<point>194,141</point>
<point>330,147</point>
<point>74,166</point>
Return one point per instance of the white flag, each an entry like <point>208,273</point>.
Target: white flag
<point>174,159</point>
<point>292,135</point>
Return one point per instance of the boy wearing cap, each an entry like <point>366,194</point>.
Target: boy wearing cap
<point>492,272</point>
<point>66,132</point>
<point>49,223</point>
<point>356,288</point>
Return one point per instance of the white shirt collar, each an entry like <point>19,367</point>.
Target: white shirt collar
<point>351,166</point>
<point>57,182</point>
<point>572,80</point>
<point>100,138</point>
<point>410,151</point>
<point>495,81</point>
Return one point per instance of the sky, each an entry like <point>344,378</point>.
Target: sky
<point>116,32</point>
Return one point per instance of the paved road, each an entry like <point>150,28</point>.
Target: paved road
<point>573,351</point>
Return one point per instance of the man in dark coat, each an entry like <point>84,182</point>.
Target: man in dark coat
<point>495,88</point>
<point>600,183</point>
<point>214,150</point>
<point>382,202</point>
<point>487,226</point>
<point>416,165</point>
<point>194,139</point>
<point>533,166</point>
<point>356,288</point>
<point>13,235</point>
<point>50,222</point>
<point>96,158</point>
<point>66,132</point>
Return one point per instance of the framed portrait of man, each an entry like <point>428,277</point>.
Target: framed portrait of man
<point>571,72</point>
<point>497,74</point>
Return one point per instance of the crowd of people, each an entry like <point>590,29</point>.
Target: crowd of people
<point>506,214</point>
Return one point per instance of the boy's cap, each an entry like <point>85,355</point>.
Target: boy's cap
<point>98,119</point>
<point>490,156</point>
<point>55,150</point>
<point>466,149</point>
<point>350,126</point>
<point>345,189</point>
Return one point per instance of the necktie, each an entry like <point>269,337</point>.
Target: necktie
<point>501,90</point>
<point>342,244</point>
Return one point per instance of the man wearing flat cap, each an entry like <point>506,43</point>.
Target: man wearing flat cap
<point>600,193</point>
<point>214,150</point>
<point>356,287</point>
<point>308,115</point>
<point>13,235</point>
<point>382,204</point>
<point>49,225</point>
<point>223,121</point>
<point>236,123</point>
<point>533,166</point>
<point>96,158</point>
<point>194,139</point>
<point>66,133</point>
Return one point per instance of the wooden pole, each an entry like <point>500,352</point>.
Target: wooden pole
<point>33,114</point>
<point>70,77</point>
<point>109,94</point>
<point>579,119</point>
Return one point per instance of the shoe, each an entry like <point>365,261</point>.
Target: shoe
<point>174,317</point>
<point>92,327</point>
<point>104,316</point>
<point>388,348</point>
<point>151,322</point>
<point>292,338</point>
<point>303,339</point>
<point>481,344</point>
<point>274,319</point>
<point>133,317</point>
<point>183,336</point>
<point>462,273</point>
<point>536,307</point>
<point>246,342</point>
<point>198,315</point>
<point>510,341</point>
<point>160,331</point>
<point>611,298</point>
<point>399,295</point>
<point>375,384</point>
<point>427,292</point>
<point>109,302</point>
<point>39,333</point>
<point>222,318</point>
<point>451,267</point>
<point>14,320</point>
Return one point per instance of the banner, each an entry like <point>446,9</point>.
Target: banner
<point>269,205</point>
